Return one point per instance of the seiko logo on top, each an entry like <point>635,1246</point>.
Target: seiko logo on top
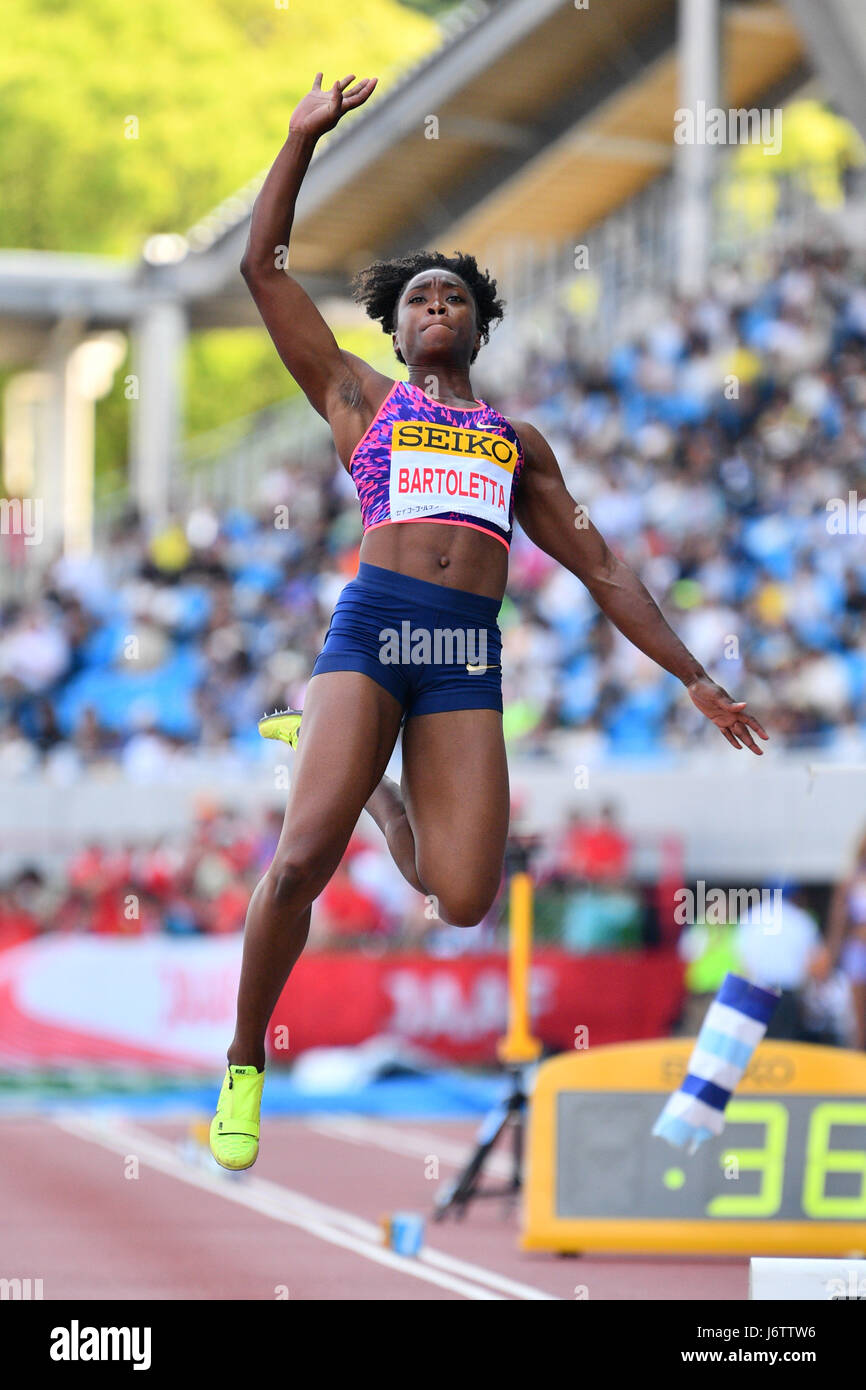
<point>451,440</point>
<point>445,468</point>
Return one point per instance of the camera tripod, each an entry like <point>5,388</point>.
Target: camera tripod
<point>518,1051</point>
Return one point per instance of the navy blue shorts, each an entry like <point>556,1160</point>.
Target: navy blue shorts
<point>433,648</point>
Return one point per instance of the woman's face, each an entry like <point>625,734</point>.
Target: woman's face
<point>437,319</point>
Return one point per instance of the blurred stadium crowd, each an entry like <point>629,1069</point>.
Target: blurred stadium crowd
<point>201,885</point>
<point>707,452</point>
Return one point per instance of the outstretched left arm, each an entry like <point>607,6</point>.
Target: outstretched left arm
<point>560,526</point>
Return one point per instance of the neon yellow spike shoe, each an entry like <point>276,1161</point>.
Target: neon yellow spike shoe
<point>283,724</point>
<point>234,1129</point>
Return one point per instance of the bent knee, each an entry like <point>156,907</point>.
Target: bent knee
<point>463,909</point>
<point>299,873</point>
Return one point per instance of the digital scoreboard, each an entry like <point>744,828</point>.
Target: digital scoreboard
<point>786,1176</point>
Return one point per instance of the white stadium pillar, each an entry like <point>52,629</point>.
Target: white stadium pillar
<point>699,43</point>
<point>160,336</point>
<point>89,377</point>
<point>52,433</point>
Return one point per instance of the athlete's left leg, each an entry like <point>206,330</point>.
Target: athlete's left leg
<point>456,798</point>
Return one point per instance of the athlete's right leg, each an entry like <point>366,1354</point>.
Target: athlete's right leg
<point>387,806</point>
<point>350,727</point>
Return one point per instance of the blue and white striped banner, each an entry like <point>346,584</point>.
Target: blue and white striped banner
<point>735,1023</point>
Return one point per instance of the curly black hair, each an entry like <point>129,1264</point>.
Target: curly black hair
<point>380,285</point>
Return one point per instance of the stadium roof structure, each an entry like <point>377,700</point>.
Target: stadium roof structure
<point>532,122</point>
<point>549,117</point>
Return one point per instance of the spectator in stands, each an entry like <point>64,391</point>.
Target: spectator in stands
<point>846,940</point>
<point>18,921</point>
<point>600,909</point>
<point>344,913</point>
<point>777,945</point>
<point>595,849</point>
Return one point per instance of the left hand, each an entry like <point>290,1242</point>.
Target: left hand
<point>727,715</point>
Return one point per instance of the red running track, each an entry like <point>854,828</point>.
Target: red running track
<point>118,1208</point>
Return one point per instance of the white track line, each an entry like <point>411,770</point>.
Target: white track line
<point>357,1129</point>
<point>327,1223</point>
<point>417,1143</point>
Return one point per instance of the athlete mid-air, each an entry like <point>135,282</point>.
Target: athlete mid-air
<point>440,476</point>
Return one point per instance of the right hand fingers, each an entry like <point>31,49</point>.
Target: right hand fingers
<point>359,93</point>
<point>743,734</point>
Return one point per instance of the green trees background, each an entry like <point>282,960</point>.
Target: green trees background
<point>212,85</point>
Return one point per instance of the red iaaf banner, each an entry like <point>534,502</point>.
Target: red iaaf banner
<point>170,1004</point>
<point>458,1008</point>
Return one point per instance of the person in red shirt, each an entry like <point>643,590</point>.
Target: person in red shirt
<point>345,911</point>
<point>226,913</point>
<point>16,924</point>
<point>87,869</point>
<point>596,851</point>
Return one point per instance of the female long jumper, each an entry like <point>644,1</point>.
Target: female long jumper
<point>414,639</point>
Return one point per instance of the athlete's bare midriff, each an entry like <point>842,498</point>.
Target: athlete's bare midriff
<point>457,557</point>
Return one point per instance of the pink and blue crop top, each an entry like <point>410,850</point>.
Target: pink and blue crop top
<point>422,461</point>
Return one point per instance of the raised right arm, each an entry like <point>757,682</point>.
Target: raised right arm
<point>334,382</point>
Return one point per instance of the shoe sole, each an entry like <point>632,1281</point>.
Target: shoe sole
<point>269,726</point>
